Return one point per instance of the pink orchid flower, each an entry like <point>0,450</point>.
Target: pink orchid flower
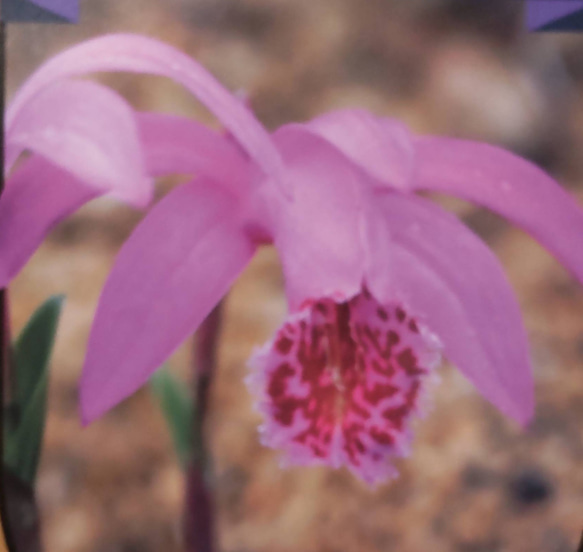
<point>379,281</point>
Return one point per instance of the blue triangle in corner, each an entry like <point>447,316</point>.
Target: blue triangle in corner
<point>39,11</point>
<point>554,15</point>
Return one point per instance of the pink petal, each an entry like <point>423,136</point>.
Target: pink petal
<point>383,147</point>
<point>341,383</point>
<point>140,54</point>
<point>183,146</point>
<point>170,273</point>
<point>89,131</point>
<point>37,196</point>
<point>452,281</point>
<point>318,234</point>
<point>508,185</point>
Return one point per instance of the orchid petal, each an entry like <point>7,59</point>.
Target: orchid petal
<point>452,281</point>
<point>37,196</point>
<point>318,234</point>
<point>175,267</point>
<point>383,147</point>
<point>140,54</point>
<point>89,131</point>
<point>183,146</point>
<point>509,186</point>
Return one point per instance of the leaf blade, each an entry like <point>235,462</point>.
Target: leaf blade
<point>178,410</point>
<point>31,355</point>
<point>33,347</point>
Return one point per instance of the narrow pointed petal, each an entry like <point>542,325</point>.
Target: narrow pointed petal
<point>175,267</point>
<point>318,234</point>
<point>140,54</point>
<point>176,145</point>
<point>37,196</point>
<point>89,131</point>
<point>382,147</point>
<point>455,285</point>
<point>509,186</point>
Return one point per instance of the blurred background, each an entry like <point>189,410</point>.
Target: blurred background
<point>475,482</point>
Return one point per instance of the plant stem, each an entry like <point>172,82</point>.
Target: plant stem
<point>18,508</point>
<point>199,527</point>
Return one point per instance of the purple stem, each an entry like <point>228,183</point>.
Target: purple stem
<point>199,527</point>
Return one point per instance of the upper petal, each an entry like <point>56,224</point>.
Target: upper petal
<point>508,185</point>
<point>318,235</point>
<point>36,197</point>
<point>140,54</point>
<point>177,145</point>
<point>175,267</point>
<point>381,146</point>
<point>89,131</point>
<point>452,281</point>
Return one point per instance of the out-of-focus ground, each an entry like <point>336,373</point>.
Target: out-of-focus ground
<point>475,482</point>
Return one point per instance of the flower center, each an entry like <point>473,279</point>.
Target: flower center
<point>340,383</point>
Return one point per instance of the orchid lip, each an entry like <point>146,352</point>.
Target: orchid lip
<point>341,382</point>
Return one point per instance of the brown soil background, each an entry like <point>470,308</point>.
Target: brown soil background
<point>475,482</point>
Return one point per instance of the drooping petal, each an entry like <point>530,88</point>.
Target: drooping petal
<point>446,275</point>
<point>318,235</point>
<point>381,146</point>
<point>341,383</point>
<point>175,267</point>
<point>37,196</point>
<point>140,54</point>
<point>176,145</point>
<point>509,186</point>
<point>89,131</point>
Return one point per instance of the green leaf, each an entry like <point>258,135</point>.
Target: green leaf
<point>32,352</point>
<point>33,348</point>
<point>23,446</point>
<point>178,409</point>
